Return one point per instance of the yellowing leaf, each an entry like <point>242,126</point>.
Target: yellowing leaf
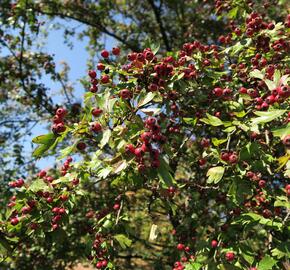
<point>215,174</point>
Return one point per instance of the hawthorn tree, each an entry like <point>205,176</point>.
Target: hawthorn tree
<point>176,160</point>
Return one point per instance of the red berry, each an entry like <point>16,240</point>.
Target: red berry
<point>146,136</point>
<point>14,221</point>
<point>130,148</point>
<point>218,91</point>
<point>225,156</point>
<point>97,112</point>
<point>61,112</point>
<point>101,66</point>
<point>92,74</point>
<point>138,152</point>
<point>230,256</point>
<point>180,246</point>
<point>105,79</point>
<point>214,243</point>
<point>116,51</point>
<point>96,127</point>
<point>125,94</point>
<point>262,183</point>
<point>233,158</point>
<point>81,146</point>
<point>286,140</point>
<point>105,54</point>
<point>75,181</point>
<point>116,206</point>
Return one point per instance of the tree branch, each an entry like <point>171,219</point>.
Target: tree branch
<point>161,27</point>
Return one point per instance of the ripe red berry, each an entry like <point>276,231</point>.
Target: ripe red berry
<point>267,213</point>
<point>139,152</point>
<point>116,51</point>
<point>116,206</point>
<point>146,136</point>
<point>14,221</point>
<point>96,127</point>
<point>26,209</point>
<point>233,158</point>
<point>150,121</point>
<point>125,94</point>
<point>61,112</point>
<point>225,156</point>
<point>49,199</point>
<point>214,243</point>
<point>130,148</point>
<point>180,247</point>
<point>101,66</point>
<point>230,256</point>
<point>286,140</point>
<point>105,79</point>
<point>19,183</point>
<point>105,54</point>
<point>94,89</point>
<point>75,181</point>
<point>81,146</point>
<point>92,74</point>
<point>218,91</point>
<point>205,142</point>
<point>104,263</point>
<point>97,112</point>
<point>99,265</point>
<point>155,164</point>
<point>262,183</point>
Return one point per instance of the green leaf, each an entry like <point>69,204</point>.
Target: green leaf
<point>123,240</point>
<point>44,139</point>
<point>193,266</point>
<point>215,174</point>
<point>247,253</point>
<point>266,263</point>
<point>212,120</point>
<point>257,74</point>
<point>281,131</point>
<point>155,47</point>
<point>265,117</point>
<point>40,150</point>
<point>233,12</point>
<point>164,173</point>
<point>217,142</point>
<point>105,137</point>
<point>38,185</point>
<point>149,97</point>
<point>281,250</point>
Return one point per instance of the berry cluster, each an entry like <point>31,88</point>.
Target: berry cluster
<point>100,252</point>
<point>148,139</point>
<point>16,184</point>
<point>229,156</point>
<point>66,166</point>
<point>58,121</point>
